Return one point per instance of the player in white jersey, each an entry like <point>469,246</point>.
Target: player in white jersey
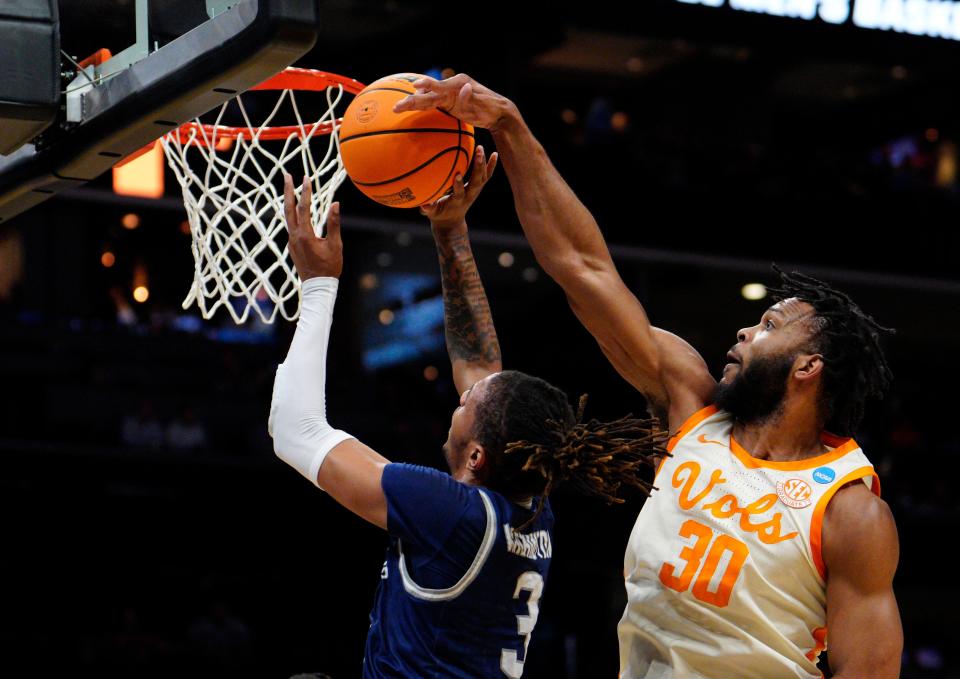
<point>766,531</point>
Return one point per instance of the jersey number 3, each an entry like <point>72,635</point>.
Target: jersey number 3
<point>693,555</point>
<point>532,582</point>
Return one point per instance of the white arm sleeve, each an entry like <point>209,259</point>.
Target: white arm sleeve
<point>298,412</point>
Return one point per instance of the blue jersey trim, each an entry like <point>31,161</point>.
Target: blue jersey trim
<point>489,538</point>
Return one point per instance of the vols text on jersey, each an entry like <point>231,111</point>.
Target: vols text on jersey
<point>767,524</point>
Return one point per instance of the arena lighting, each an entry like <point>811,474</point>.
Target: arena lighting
<point>385,316</point>
<point>505,259</point>
<point>108,259</point>
<point>753,291</point>
<point>933,18</point>
<point>142,176</point>
<point>619,121</point>
<point>140,282</point>
<point>430,373</point>
<point>130,221</point>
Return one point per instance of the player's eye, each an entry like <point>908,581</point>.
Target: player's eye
<point>769,325</point>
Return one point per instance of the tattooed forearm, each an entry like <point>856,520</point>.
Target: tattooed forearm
<point>469,324</point>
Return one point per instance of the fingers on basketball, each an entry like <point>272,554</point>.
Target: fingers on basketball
<point>421,100</point>
<point>426,84</point>
<point>432,93</point>
<point>481,172</point>
<point>434,100</point>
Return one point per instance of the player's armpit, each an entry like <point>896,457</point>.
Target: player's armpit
<point>351,474</point>
<point>664,368</point>
<point>861,551</point>
<point>688,381</point>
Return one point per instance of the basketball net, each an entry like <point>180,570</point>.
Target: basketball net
<point>232,182</point>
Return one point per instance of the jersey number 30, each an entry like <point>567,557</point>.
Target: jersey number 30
<point>693,555</point>
<point>532,582</point>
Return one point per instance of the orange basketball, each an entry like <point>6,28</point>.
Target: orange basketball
<point>402,159</point>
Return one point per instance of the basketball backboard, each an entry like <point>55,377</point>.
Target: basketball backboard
<point>186,57</point>
<point>30,58</point>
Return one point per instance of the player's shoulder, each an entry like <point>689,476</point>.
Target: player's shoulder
<point>426,483</point>
<point>859,530</point>
<point>856,505</point>
<point>421,471</point>
<point>426,506</point>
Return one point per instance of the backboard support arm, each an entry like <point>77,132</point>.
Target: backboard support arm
<point>239,47</point>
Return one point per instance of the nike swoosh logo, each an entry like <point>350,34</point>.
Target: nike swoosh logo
<point>704,439</point>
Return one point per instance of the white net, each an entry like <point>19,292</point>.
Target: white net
<point>232,181</point>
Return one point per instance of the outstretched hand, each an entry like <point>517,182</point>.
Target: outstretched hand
<point>460,96</point>
<point>312,255</point>
<point>451,210</point>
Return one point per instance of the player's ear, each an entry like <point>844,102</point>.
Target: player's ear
<point>808,366</point>
<point>476,456</point>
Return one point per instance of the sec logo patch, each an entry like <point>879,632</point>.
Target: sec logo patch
<point>794,493</point>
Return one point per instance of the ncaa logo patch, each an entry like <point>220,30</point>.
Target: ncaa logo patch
<point>824,475</point>
<point>795,493</point>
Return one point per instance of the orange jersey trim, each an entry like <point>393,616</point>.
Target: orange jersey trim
<point>816,524</point>
<point>844,447</point>
<point>689,424</point>
<point>820,641</point>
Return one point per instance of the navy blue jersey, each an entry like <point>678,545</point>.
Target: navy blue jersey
<point>459,593</point>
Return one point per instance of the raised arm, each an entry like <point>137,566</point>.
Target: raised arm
<point>331,459</point>
<point>860,551</point>
<point>569,246</point>
<point>471,338</point>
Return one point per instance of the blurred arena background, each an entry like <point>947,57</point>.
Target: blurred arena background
<point>149,529</point>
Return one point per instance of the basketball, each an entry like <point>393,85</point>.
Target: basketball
<point>402,159</point>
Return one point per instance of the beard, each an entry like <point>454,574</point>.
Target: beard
<point>756,393</point>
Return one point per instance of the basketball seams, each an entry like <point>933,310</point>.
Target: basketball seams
<point>399,130</point>
<point>386,89</point>
<point>456,157</point>
<point>457,149</point>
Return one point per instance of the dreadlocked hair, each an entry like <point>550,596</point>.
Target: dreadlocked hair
<point>536,442</point>
<point>855,367</point>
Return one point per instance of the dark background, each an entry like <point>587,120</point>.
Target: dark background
<point>707,142</point>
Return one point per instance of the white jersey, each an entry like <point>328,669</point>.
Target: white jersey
<point>723,569</point>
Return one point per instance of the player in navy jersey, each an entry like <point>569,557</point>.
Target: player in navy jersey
<point>470,550</point>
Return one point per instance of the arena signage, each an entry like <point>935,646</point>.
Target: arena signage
<point>934,18</point>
